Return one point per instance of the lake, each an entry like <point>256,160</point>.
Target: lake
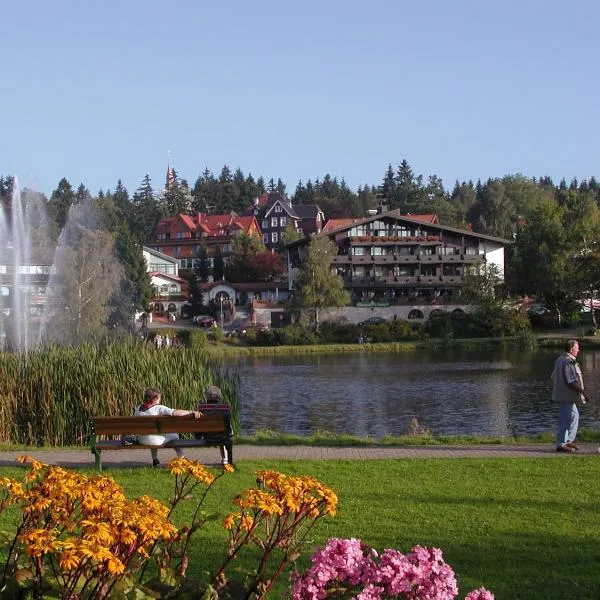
<point>490,392</point>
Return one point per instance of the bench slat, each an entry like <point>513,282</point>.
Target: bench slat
<point>118,445</point>
<point>210,423</point>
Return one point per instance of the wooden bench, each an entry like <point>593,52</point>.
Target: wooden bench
<point>213,428</point>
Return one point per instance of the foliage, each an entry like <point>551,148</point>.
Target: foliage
<point>292,335</point>
<point>218,264</point>
<point>145,212</point>
<point>316,287</point>
<point>80,537</point>
<point>49,395</point>
<point>348,568</point>
<point>249,260</point>
<point>193,339</point>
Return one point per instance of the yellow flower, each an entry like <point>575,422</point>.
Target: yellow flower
<point>229,521</point>
<point>228,468</point>
<point>246,522</point>
<point>68,560</point>
<point>114,565</point>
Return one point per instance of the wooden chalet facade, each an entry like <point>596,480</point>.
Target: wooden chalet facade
<point>393,260</point>
<point>182,236</point>
<point>275,213</point>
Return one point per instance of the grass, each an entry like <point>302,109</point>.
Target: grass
<point>267,437</point>
<point>524,528</point>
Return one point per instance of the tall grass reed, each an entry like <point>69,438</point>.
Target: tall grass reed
<point>47,397</point>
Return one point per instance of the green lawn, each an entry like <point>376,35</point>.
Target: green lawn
<point>523,528</point>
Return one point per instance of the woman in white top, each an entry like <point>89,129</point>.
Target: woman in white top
<point>152,407</point>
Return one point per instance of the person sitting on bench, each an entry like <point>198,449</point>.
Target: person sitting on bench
<point>213,396</point>
<point>152,407</point>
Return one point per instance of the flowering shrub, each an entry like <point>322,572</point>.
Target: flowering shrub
<point>80,537</point>
<point>275,516</point>
<point>350,569</point>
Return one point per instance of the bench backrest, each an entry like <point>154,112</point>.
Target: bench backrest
<point>209,422</point>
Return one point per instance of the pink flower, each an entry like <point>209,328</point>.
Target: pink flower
<point>480,594</point>
<point>351,569</point>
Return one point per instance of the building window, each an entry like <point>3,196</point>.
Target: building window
<point>164,288</point>
<point>282,221</point>
<point>274,221</point>
<point>265,224</point>
<point>274,237</point>
<point>179,235</point>
<point>358,250</point>
<point>278,208</point>
<point>173,288</point>
<point>265,238</point>
<point>177,250</point>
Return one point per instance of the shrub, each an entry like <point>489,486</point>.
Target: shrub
<point>193,339</point>
<point>80,537</point>
<point>348,568</point>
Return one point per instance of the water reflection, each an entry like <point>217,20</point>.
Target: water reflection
<point>484,392</point>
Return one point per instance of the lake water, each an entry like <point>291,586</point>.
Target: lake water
<point>484,392</point>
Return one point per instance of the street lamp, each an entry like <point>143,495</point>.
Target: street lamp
<point>221,301</point>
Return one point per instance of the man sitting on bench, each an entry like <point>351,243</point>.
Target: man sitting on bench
<point>213,396</point>
<point>152,407</point>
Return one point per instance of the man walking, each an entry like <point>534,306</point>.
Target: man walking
<point>567,391</point>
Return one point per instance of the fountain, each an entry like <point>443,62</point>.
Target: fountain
<point>46,286</point>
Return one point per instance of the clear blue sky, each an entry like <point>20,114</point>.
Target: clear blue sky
<point>465,89</point>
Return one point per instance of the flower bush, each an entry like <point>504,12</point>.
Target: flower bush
<point>348,568</point>
<point>79,538</point>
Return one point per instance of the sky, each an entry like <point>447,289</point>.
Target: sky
<point>463,89</point>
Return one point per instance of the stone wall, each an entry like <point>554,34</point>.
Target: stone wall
<point>357,314</point>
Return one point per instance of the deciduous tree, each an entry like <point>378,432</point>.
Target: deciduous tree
<point>316,287</point>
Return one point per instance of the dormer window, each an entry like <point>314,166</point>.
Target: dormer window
<point>278,208</point>
<point>255,212</point>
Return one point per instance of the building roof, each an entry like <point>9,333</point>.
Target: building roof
<point>426,218</point>
<point>334,224</point>
<point>307,211</point>
<point>210,225</point>
<point>174,278</point>
<point>160,255</point>
<point>246,286</point>
<point>328,230</point>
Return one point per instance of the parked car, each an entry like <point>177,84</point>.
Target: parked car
<point>203,321</point>
<point>373,321</point>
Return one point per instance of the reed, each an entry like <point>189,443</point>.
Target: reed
<point>47,397</point>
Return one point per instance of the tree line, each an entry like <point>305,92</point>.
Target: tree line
<point>555,227</point>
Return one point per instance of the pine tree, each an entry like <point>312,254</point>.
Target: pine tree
<point>60,202</point>
<point>145,213</point>
<point>218,265</point>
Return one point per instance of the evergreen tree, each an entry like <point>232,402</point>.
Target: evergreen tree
<point>135,291</point>
<point>218,265</point>
<point>205,195</point>
<point>202,267</point>
<point>60,202</point>
<point>145,212</point>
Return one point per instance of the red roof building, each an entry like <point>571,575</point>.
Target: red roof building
<point>182,236</point>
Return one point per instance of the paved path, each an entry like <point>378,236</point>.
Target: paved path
<point>136,458</point>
